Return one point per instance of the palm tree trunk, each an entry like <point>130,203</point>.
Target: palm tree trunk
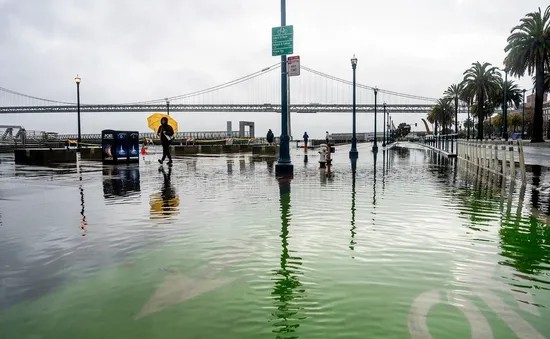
<point>480,115</point>
<point>539,97</point>
<point>456,114</point>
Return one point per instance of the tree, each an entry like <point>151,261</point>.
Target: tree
<point>469,123</point>
<point>441,113</point>
<point>514,95</point>
<point>514,120</point>
<point>529,51</point>
<point>481,82</point>
<point>455,92</point>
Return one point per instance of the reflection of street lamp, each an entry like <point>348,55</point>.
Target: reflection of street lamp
<point>375,146</point>
<point>384,125</point>
<point>353,227</point>
<point>353,154</point>
<point>523,117</point>
<point>77,80</point>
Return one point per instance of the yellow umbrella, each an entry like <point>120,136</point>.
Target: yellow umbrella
<point>153,121</point>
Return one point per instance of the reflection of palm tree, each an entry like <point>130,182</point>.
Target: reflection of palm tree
<point>287,286</point>
<point>524,242</point>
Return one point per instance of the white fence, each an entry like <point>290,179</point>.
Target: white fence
<point>494,156</point>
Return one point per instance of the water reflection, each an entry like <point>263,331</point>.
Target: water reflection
<point>229,167</point>
<point>352,242</point>
<point>270,163</point>
<point>120,181</point>
<point>525,241</point>
<point>288,290</point>
<point>374,183</point>
<point>83,222</point>
<point>165,203</point>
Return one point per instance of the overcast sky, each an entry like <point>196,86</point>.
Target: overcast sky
<point>134,50</point>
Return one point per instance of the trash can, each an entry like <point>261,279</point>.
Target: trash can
<point>121,144</point>
<point>108,146</point>
<point>133,146</point>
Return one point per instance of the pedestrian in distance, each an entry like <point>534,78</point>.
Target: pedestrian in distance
<point>166,134</point>
<point>269,137</point>
<point>326,137</point>
<point>306,138</point>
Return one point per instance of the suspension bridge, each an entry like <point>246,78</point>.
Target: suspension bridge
<point>311,92</point>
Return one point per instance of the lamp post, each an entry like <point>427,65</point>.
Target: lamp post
<point>384,125</point>
<point>77,80</point>
<point>389,128</point>
<point>167,106</point>
<point>523,117</point>
<point>353,154</point>
<point>505,107</point>
<point>375,146</point>
<point>284,166</point>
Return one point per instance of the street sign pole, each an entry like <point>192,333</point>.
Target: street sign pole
<point>284,167</point>
<point>288,109</point>
<point>293,63</point>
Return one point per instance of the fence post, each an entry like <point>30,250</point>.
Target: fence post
<point>512,162</point>
<point>504,162</point>
<point>521,161</point>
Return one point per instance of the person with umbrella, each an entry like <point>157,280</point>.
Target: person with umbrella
<point>166,134</point>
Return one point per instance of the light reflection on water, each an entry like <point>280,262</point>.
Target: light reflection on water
<point>341,256</point>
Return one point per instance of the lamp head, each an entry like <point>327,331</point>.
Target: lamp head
<point>77,79</point>
<point>354,61</point>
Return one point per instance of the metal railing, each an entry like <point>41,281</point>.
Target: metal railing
<point>443,142</point>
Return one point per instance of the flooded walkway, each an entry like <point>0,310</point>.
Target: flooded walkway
<point>216,247</point>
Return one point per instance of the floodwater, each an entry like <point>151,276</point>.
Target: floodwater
<point>408,246</point>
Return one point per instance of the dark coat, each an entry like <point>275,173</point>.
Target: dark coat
<point>270,137</point>
<point>165,129</point>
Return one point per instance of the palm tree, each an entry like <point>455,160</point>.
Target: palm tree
<point>529,50</point>
<point>481,82</point>
<point>514,95</point>
<point>454,91</point>
<point>441,114</point>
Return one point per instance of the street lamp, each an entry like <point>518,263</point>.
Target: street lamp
<point>77,80</point>
<point>167,106</point>
<point>505,106</point>
<point>284,167</point>
<point>523,117</point>
<point>353,154</point>
<point>375,146</point>
<point>384,125</point>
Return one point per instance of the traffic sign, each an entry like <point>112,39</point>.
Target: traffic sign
<point>294,65</point>
<point>282,40</point>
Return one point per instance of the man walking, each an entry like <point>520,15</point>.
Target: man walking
<point>306,138</point>
<point>166,134</point>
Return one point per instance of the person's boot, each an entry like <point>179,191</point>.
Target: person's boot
<point>160,161</point>
<point>169,163</point>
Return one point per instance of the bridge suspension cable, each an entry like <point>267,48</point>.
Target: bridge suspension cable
<point>214,88</point>
<point>235,82</point>
<point>5,90</point>
<point>403,95</point>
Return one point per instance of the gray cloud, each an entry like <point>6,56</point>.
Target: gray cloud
<point>136,50</point>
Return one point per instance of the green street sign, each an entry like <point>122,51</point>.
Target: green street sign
<point>282,40</point>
